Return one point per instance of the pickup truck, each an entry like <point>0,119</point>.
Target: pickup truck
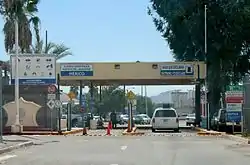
<point>219,121</point>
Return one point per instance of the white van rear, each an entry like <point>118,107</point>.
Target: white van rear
<point>165,119</point>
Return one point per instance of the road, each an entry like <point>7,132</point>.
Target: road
<point>176,149</point>
<point>182,124</point>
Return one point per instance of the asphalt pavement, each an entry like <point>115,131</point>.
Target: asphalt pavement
<point>176,149</point>
<point>182,124</point>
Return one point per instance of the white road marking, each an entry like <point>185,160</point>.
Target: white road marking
<point>5,157</point>
<point>124,147</point>
<point>113,164</point>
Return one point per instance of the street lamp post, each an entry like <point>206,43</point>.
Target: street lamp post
<point>16,128</point>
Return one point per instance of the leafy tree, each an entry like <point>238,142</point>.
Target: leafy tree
<point>141,105</point>
<point>181,23</point>
<point>25,12</point>
<point>59,50</point>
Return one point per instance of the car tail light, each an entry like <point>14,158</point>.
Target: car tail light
<point>177,120</point>
<point>153,120</point>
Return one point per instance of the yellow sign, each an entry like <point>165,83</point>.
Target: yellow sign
<point>71,95</point>
<point>131,95</point>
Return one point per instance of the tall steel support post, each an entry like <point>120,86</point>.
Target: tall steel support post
<point>198,98</point>
<point>246,105</point>
<point>59,109</point>
<point>206,61</point>
<point>124,103</point>
<point>91,97</point>
<point>1,105</point>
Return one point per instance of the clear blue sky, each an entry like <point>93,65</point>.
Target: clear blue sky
<point>103,30</point>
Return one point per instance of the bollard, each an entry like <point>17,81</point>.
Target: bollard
<point>109,127</point>
<point>84,131</point>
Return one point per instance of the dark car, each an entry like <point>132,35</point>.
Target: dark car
<point>138,119</point>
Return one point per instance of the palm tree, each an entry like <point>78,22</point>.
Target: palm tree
<point>24,11</point>
<point>58,50</point>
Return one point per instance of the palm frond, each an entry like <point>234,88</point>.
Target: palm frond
<point>61,51</point>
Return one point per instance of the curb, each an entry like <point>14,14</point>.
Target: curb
<point>133,133</point>
<point>209,133</point>
<point>51,133</point>
<point>72,132</point>
<point>204,132</point>
<point>20,145</point>
<point>134,129</point>
<point>236,138</point>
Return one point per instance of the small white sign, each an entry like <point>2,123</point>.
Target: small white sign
<point>58,104</point>
<point>234,107</point>
<point>51,104</point>
<point>34,69</point>
<point>51,96</point>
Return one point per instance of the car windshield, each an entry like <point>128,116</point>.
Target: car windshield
<point>165,113</point>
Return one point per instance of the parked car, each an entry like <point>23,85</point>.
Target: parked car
<point>182,116</point>
<point>124,119</point>
<point>190,119</point>
<point>138,119</point>
<point>165,119</point>
<point>146,119</point>
<point>100,121</point>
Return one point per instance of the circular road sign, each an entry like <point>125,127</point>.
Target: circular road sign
<point>51,89</point>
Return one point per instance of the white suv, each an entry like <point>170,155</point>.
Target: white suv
<point>165,119</point>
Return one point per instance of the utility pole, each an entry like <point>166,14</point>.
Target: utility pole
<point>206,78</point>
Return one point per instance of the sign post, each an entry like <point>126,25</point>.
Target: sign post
<point>51,96</point>
<point>234,100</point>
<point>71,96</point>
<point>131,97</point>
<point>69,109</point>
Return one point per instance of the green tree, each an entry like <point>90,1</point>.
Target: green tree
<point>59,50</point>
<point>141,105</point>
<point>25,12</point>
<point>181,23</point>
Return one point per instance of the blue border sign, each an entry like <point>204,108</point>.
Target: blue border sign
<point>234,116</point>
<point>177,70</point>
<point>75,69</point>
<point>34,69</point>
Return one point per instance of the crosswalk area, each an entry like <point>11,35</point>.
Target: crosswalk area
<point>143,133</point>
